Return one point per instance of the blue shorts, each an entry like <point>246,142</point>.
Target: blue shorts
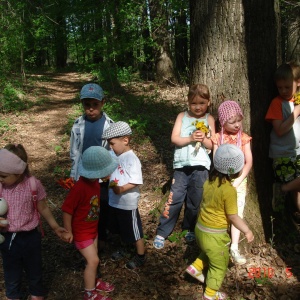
<point>127,223</point>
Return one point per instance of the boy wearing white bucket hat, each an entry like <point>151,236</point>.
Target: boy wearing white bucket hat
<point>81,216</point>
<point>219,205</point>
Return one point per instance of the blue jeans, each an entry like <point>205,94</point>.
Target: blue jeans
<point>187,186</point>
<point>18,254</point>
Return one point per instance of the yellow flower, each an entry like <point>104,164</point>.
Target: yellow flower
<point>297,98</point>
<point>201,126</point>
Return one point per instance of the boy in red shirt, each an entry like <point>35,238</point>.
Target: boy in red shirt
<point>81,215</point>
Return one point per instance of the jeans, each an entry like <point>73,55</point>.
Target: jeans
<point>22,252</point>
<point>187,186</point>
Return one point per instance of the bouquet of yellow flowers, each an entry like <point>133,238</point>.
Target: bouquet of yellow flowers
<point>297,98</point>
<point>200,126</point>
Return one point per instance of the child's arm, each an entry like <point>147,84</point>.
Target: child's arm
<point>247,167</point>
<point>45,211</point>
<point>124,188</point>
<point>242,226</point>
<point>177,140</point>
<point>281,127</point>
<point>67,219</point>
<point>207,142</point>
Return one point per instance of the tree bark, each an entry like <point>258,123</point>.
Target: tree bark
<point>162,54</point>
<point>234,50</point>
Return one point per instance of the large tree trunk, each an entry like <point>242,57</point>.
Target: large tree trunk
<point>234,51</point>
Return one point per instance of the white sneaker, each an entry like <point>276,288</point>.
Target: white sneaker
<point>195,273</point>
<point>237,257</point>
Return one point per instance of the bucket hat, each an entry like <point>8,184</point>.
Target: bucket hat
<point>116,130</point>
<point>92,90</point>
<point>97,162</point>
<point>229,159</point>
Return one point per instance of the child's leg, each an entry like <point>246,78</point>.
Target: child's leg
<point>214,246</point>
<point>194,196</point>
<point>174,204</point>
<point>140,247</point>
<point>103,216</point>
<point>90,253</point>
<point>235,233</point>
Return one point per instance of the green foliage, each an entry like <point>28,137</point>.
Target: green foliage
<point>12,99</point>
<point>4,126</point>
<point>61,172</point>
<point>177,236</point>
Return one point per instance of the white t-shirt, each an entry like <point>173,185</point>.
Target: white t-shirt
<point>128,171</point>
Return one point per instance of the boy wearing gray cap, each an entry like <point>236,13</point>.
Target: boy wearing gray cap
<point>124,193</point>
<point>218,208</point>
<point>87,131</point>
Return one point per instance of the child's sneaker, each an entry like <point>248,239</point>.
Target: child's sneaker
<point>237,257</point>
<point>189,237</point>
<point>195,273</point>
<point>218,296</point>
<point>136,262</point>
<point>278,199</point>
<point>104,286</point>
<point>94,295</point>
<point>118,255</point>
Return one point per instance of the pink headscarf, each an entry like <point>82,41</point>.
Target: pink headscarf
<point>227,110</point>
<point>11,163</point>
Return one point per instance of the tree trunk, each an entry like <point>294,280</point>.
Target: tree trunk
<point>234,51</point>
<point>163,62</point>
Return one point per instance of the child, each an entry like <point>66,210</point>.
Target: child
<point>218,207</point>
<point>87,131</point>
<point>21,249</point>
<point>124,193</point>
<point>190,165</point>
<point>285,136</point>
<point>81,215</point>
<point>230,117</point>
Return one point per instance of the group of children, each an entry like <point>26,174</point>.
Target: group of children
<point>107,176</point>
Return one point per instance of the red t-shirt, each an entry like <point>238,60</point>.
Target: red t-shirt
<point>275,109</point>
<point>83,204</point>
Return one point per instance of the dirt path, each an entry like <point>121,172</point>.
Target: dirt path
<point>42,130</point>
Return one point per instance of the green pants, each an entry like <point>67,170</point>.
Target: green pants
<point>214,254</point>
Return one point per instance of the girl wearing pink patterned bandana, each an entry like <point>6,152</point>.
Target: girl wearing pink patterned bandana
<point>230,117</point>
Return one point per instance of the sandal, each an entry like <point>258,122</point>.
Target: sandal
<point>159,242</point>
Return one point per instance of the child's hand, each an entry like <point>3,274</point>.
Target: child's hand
<point>197,136</point>
<point>3,222</point>
<point>59,231</point>
<point>249,236</point>
<point>67,237</point>
<point>117,189</point>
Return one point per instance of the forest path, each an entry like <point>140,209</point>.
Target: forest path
<point>43,131</point>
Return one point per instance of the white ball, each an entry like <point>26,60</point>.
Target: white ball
<point>3,206</point>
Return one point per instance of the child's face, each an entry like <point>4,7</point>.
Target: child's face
<point>119,145</point>
<point>93,108</point>
<point>9,179</point>
<point>287,88</point>
<point>198,106</point>
<point>234,124</point>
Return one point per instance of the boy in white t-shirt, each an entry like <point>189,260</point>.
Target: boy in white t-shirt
<point>124,193</point>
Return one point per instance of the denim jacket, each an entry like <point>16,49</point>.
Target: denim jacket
<point>76,142</point>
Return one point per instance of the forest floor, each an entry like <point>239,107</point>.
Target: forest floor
<point>272,270</point>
